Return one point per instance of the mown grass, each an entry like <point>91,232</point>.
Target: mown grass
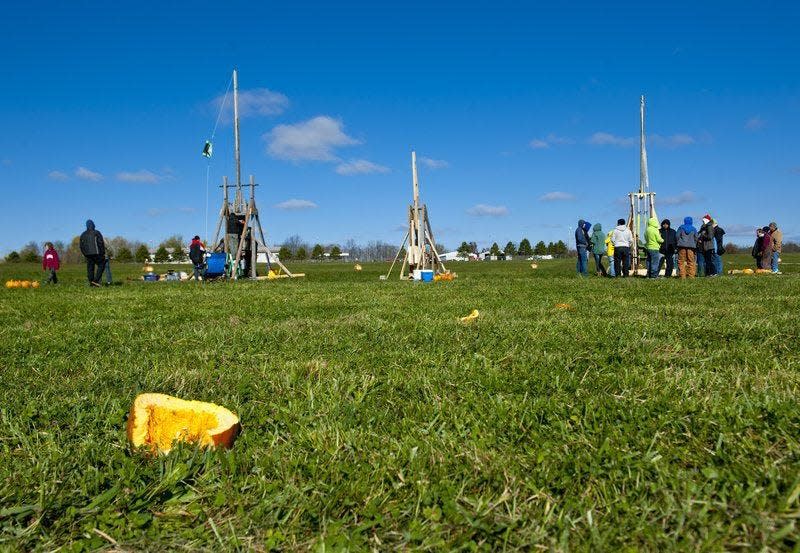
<point>652,415</point>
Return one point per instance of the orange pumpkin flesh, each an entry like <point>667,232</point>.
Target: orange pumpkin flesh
<point>157,421</point>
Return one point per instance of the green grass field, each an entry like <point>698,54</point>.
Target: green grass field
<point>654,415</point>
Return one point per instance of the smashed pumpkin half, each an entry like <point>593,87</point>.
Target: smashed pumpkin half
<point>157,421</point>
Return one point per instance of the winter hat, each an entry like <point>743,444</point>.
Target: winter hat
<point>706,217</point>
<point>196,237</point>
<point>666,222</point>
<point>620,221</point>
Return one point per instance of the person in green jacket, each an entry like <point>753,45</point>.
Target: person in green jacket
<point>598,240</point>
<point>652,245</point>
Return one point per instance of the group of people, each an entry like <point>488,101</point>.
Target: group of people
<point>694,251</point>
<point>768,247</point>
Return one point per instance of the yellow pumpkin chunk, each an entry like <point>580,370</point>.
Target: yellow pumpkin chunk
<point>157,421</point>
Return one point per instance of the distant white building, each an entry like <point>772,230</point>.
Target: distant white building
<point>343,255</point>
<point>454,256</point>
<point>261,257</point>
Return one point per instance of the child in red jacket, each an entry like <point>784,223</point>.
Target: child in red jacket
<point>51,262</point>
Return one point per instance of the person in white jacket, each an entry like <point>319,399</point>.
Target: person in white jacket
<point>622,238</point>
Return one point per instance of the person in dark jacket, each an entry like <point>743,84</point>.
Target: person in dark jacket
<point>93,249</point>
<point>50,262</point>
<point>719,249</point>
<point>197,255</point>
<point>705,245</point>
<point>756,251</point>
<point>766,249</point>
<point>582,245</point>
<point>669,248</point>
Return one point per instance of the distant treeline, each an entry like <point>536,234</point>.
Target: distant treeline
<point>175,248</point>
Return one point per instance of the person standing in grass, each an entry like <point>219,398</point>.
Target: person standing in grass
<point>197,255</point>
<point>777,246</point>
<point>51,262</point>
<point>719,248</point>
<point>653,241</point>
<point>582,245</point>
<point>597,240</point>
<point>686,244</point>
<point>705,245</point>
<point>610,253</point>
<point>669,247</point>
<point>766,248</point>
<point>93,249</point>
<point>622,239</point>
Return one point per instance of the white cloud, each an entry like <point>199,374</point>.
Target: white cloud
<point>557,196</point>
<point>256,101</point>
<point>315,140</point>
<point>142,176</point>
<point>550,140</point>
<point>156,211</point>
<point>360,167</point>
<point>295,205</point>
<point>672,141</point>
<point>86,174</point>
<point>483,210</point>
<point>738,229</point>
<point>434,163</point>
<point>755,123</point>
<point>686,197</point>
<point>57,175</point>
<point>608,139</point>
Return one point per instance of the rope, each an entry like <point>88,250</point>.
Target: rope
<point>208,165</point>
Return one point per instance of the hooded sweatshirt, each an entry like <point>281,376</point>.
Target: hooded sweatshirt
<point>622,237</point>
<point>598,239</point>
<point>687,234</point>
<point>581,241</point>
<point>91,241</point>
<point>670,238</point>
<point>50,260</point>
<point>652,236</point>
<point>197,251</point>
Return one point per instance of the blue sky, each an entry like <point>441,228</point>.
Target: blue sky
<point>524,117</point>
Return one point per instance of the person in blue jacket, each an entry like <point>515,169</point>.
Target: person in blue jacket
<point>582,245</point>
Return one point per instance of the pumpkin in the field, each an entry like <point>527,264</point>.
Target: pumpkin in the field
<point>35,284</point>
<point>157,421</point>
<point>471,317</point>
<point>9,284</point>
<point>25,284</point>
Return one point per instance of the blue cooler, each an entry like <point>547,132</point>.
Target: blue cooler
<point>150,277</point>
<point>427,276</point>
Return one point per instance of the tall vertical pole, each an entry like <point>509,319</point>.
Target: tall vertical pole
<point>416,239</point>
<point>238,198</point>
<point>644,181</point>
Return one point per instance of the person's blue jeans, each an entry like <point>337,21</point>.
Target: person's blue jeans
<point>598,264</point>
<point>775,257</point>
<point>653,260</point>
<point>583,261</point>
<point>611,266</point>
<point>717,264</point>
<point>701,262</point>
<point>709,263</point>
<point>198,271</point>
